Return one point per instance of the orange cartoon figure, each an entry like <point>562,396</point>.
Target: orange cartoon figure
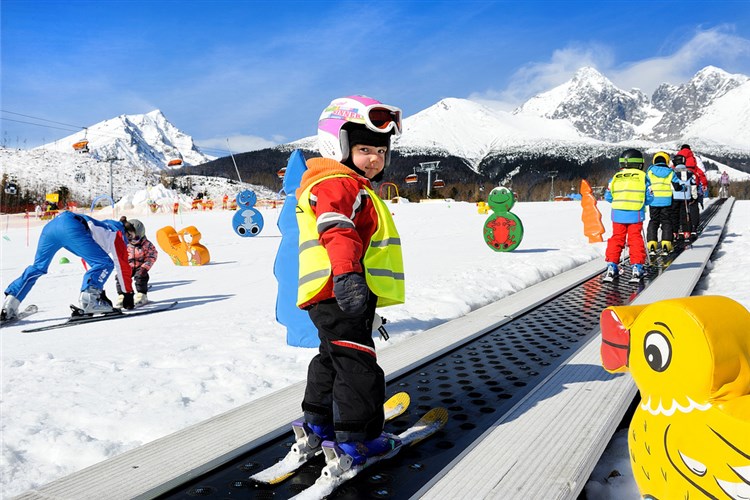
<point>591,216</point>
<point>183,247</point>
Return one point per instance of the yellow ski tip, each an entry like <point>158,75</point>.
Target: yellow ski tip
<point>279,479</point>
<point>396,405</point>
<point>436,416</point>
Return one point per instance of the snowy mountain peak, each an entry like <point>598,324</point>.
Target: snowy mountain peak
<point>148,141</point>
<point>588,76</point>
<point>716,80</point>
<point>684,104</point>
<point>593,104</point>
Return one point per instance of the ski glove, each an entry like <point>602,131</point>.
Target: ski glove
<point>351,291</point>
<point>127,300</point>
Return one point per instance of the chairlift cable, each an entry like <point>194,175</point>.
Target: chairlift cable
<point>235,163</point>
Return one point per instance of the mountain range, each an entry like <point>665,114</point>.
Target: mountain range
<point>576,129</point>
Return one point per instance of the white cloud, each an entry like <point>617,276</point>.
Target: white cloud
<point>536,77</point>
<point>717,46</point>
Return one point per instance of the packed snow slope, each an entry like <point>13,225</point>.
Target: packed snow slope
<point>76,396</point>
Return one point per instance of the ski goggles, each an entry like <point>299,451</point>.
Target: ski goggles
<point>383,118</point>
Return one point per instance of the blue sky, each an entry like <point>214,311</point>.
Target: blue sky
<point>260,72</point>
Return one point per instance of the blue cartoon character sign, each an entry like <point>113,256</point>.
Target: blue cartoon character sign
<point>247,221</point>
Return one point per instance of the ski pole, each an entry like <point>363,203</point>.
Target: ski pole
<point>687,214</point>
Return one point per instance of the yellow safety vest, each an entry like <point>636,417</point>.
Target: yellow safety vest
<point>628,189</point>
<point>383,262</point>
<point>661,186</point>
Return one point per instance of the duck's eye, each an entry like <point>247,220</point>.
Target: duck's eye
<point>658,350</point>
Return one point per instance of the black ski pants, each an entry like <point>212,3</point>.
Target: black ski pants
<point>676,210</point>
<point>659,217</point>
<point>141,282</point>
<point>345,384</point>
<point>689,216</point>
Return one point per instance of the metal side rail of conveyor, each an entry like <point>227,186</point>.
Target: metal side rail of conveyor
<point>531,409</point>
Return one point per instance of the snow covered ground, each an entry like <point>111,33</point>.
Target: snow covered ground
<point>74,397</point>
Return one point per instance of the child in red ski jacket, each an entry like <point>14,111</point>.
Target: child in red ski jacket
<point>350,262</point>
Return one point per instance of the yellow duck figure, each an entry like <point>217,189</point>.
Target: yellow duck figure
<point>690,358</point>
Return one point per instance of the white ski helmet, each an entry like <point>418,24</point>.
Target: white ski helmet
<point>140,230</point>
<point>358,111</point>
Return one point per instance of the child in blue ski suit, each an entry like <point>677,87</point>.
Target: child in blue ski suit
<point>92,240</point>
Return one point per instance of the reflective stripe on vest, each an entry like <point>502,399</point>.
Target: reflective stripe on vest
<point>383,262</point>
<point>628,189</point>
<point>661,186</point>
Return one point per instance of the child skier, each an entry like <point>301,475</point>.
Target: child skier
<point>691,162</point>
<point>724,185</point>
<point>349,262</point>
<point>685,200</point>
<point>629,192</point>
<point>662,181</point>
<point>142,255</point>
<point>92,240</point>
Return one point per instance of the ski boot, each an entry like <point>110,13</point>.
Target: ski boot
<point>10,308</point>
<point>94,301</point>
<point>666,247</point>
<point>693,236</point>
<point>360,451</point>
<point>638,273</point>
<point>141,299</point>
<point>611,273</point>
<point>119,301</point>
<point>652,246</point>
<point>686,235</point>
<point>308,438</point>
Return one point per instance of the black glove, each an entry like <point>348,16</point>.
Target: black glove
<point>351,292</point>
<point>127,300</point>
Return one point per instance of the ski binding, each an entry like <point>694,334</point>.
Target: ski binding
<point>307,445</point>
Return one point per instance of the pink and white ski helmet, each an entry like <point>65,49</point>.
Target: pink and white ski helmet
<point>355,111</point>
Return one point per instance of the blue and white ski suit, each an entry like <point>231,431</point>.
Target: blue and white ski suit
<point>92,240</point>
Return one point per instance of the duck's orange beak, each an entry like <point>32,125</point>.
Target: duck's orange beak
<point>615,342</point>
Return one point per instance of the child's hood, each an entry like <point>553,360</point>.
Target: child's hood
<point>660,170</point>
<point>318,168</point>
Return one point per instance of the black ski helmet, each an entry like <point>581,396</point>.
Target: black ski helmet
<point>678,160</point>
<point>631,158</point>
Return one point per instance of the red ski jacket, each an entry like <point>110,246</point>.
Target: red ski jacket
<point>692,164</point>
<point>346,217</point>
